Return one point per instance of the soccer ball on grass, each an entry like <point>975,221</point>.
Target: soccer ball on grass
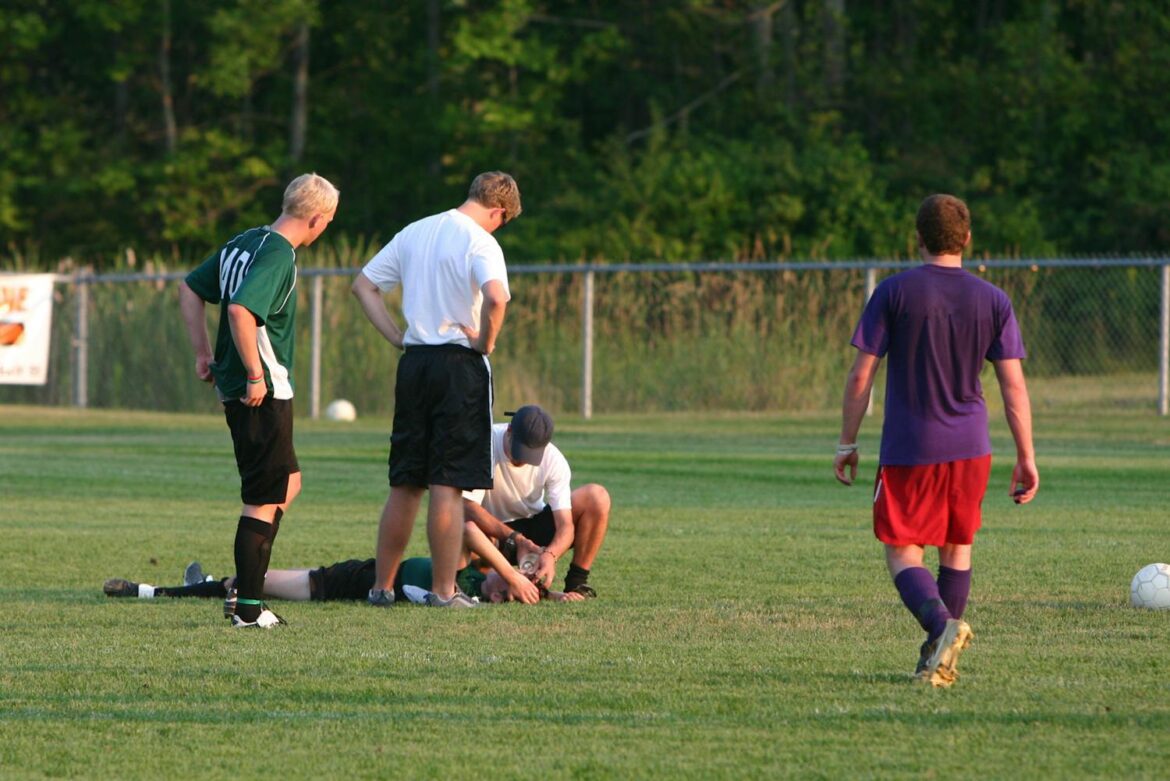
<point>340,409</point>
<point>1150,587</point>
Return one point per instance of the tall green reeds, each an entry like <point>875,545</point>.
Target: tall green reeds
<point>662,340</point>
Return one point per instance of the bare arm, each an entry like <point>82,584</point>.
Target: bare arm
<point>1017,408</point>
<point>546,570</point>
<point>191,307</point>
<point>491,318</point>
<point>370,297</point>
<point>243,325</point>
<point>493,527</point>
<point>858,386</point>
<point>520,587</point>
<point>487,523</point>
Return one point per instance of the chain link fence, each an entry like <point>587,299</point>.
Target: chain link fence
<point>630,338</point>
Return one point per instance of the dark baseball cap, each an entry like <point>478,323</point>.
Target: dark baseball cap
<point>532,428</point>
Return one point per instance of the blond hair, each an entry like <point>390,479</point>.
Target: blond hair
<point>309,194</point>
<point>496,190</point>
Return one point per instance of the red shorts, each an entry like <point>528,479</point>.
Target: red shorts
<point>931,504</point>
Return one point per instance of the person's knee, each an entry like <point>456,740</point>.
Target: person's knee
<point>955,556</point>
<point>593,500</point>
<point>294,488</point>
<point>900,557</point>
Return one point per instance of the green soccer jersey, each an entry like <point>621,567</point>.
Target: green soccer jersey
<point>258,271</point>
<point>417,572</point>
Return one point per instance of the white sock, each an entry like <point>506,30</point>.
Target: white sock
<point>145,591</point>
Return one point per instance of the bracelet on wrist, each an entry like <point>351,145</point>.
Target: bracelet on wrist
<point>844,450</point>
<point>256,379</point>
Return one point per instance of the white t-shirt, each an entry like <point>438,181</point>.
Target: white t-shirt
<point>523,491</point>
<point>442,262</point>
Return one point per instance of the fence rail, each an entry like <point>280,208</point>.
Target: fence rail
<point>1102,315</point>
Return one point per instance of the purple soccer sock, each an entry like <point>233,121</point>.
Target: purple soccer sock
<point>919,593</point>
<point>954,585</point>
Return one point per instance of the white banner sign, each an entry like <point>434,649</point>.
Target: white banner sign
<point>26,320</point>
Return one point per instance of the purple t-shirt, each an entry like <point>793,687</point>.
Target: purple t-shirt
<point>936,325</point>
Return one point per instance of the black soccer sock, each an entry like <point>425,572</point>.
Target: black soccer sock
<point>576,576</point>
<point>266,546</point>
<point>210,588</point>
<point>252,534</point>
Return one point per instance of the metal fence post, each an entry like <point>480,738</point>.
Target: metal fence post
<point>315,349</point>
<point>870,285</point>
<point>587,348</point>
<point>81,344</point>
<point>1164,360</point>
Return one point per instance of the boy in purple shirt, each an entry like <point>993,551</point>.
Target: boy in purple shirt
<point>936,324</point>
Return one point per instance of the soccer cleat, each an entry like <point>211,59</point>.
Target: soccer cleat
<point>940,669</point>
<point>381,597</point>
<point>229,604</point>
<point>120,587</point>
<point>193,574</point>
<point>923,656</point>
<point>458,599</point>
<point>266,620</point>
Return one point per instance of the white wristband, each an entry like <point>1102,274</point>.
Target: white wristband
<point>844,450</point>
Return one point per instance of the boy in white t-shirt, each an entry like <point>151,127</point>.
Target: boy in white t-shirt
<point>531,507</point>
<point>454,294</point>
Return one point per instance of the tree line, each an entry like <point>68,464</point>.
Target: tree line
<point>638,130</point>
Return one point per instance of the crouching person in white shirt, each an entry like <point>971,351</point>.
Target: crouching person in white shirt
<point>531,510</point>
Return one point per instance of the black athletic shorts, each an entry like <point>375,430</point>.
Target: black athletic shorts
<point>540,528</point>
<point>442,418</point>
<point>263,440</point>
<point>351,579</point>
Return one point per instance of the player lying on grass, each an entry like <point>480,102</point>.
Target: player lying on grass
<point>351,579</point>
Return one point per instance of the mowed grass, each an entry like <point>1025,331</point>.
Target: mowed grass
<point>746,626</point>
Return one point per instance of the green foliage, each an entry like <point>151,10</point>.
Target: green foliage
<point>670,130</point>
<point>213,178</point>
<point>746,627</point>
<point>248,42</point>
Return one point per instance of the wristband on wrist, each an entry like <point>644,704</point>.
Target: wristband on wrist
<point>256,379</point>
<point>844,450</point>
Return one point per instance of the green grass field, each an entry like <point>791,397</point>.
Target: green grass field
<point>746,627</point>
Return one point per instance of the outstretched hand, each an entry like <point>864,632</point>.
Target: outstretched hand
<point>521,589</point>
<point>566,596</point>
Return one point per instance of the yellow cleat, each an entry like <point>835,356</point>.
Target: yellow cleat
<point>939,666</point>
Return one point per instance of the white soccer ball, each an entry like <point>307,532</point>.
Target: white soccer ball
<point>1150,587</point>
<point>340,409</point>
